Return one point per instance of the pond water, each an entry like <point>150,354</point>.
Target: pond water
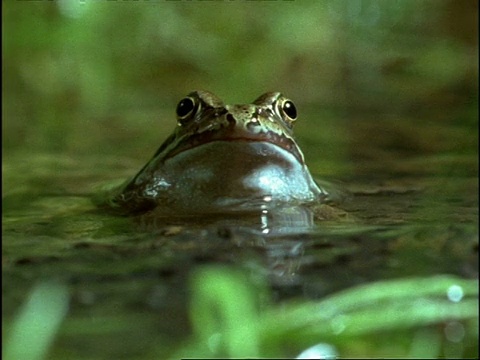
<point>404,216</point>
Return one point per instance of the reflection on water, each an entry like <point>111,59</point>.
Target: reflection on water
<point>276,221</point>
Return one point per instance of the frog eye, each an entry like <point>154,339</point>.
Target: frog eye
<point>185,108</point>
<point>289,110</point>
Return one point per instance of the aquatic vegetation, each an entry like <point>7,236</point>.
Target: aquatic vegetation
<point>234,319</point>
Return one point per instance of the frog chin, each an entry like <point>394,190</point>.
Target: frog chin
<point>223,173</point>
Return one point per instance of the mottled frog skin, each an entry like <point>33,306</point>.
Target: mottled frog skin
<point>223,158</point>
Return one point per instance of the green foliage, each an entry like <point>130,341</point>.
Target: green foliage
<point>233,317</point>
<point>229,321</point>
<point>73,68</point>
<point>37,324</point>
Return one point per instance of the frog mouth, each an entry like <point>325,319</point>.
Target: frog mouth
<point>209,136</point>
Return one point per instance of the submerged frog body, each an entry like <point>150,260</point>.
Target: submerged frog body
<point>223,158</point>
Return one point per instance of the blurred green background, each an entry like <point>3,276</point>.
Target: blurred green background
<point>96,77</point>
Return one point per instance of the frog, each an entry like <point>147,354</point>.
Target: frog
<point>222,159</point>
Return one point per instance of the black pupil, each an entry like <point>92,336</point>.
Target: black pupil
<point>184,107</point>
<point>290,110</point>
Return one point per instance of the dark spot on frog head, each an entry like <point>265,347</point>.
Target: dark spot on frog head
<point>231,120</point>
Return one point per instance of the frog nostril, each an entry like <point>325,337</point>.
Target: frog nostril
<point>231,119</point>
